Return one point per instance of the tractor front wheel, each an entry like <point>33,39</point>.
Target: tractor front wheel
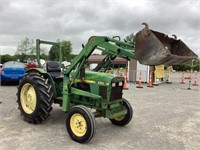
<point>34,98</point>
<point>125,119</point>
<point>80,124</point>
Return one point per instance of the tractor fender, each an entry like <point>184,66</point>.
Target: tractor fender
<point>46,75</point>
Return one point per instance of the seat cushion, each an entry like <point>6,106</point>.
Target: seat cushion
<point>54,70</point>
<point>53,66</point>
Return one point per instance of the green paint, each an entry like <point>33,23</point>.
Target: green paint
<point>85,90</point>
<point>39,42</point>
<point>116,112</point>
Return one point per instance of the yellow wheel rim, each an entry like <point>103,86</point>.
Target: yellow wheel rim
<point>120,118</point>
<point>78,125</point>
<point>28,98</point>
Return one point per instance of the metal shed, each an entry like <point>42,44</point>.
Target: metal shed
<point>95,59</point>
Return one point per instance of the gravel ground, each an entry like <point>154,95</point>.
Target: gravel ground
<point>165,117</point>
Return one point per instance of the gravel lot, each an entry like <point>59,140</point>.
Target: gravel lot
<point>165,117</point>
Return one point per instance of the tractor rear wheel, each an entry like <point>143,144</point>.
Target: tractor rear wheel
<point>125,119</point>
<point>80,124</point>
<point>34,98</point>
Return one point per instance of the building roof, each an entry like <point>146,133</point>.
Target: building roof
<point>95,59</point>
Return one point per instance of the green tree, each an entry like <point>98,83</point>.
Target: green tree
<point>188,66</point>
<point>44,56</point>
<point>21,57</point>
<point>5,58</point>
<point>66,48</point>
<point>53,53</point>
<point>26,46</point>
<point>130,38</point>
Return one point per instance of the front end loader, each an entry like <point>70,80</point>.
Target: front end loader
<point>86,95</point>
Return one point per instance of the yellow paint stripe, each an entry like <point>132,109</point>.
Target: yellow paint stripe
<point>91,81</point>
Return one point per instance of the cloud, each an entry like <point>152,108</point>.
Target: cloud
<point>78,20</point>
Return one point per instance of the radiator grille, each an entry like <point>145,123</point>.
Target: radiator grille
<point>103,91</point>
<point>116,93</point>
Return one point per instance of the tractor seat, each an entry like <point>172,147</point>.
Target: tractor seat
<point>54,70</point>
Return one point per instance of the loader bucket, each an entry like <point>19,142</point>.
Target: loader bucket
<point>155,48</point>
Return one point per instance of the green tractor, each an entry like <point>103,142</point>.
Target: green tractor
<point>76,90</point>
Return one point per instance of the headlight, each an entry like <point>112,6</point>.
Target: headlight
<point>113,84</point>
<point>120,83</point>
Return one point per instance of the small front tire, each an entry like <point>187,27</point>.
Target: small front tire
<point>125,119</point>
<point>80,124</point>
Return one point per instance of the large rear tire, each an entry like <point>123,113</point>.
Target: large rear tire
<point>125,119</point>
<point>34,98</point>
<point>80,124</point>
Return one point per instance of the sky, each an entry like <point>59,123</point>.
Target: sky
<point>77,20</point>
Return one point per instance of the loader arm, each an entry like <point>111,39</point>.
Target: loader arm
<point>114,48</point>
<point>105,63</point>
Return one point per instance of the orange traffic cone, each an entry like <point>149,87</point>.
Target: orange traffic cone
<point>140,81</point>
<point>182,79</point>
<point>125,85</point>
<point>195,80</point>
<point>150,79</point>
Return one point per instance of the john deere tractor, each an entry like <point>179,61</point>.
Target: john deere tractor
<point>86,95</point>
